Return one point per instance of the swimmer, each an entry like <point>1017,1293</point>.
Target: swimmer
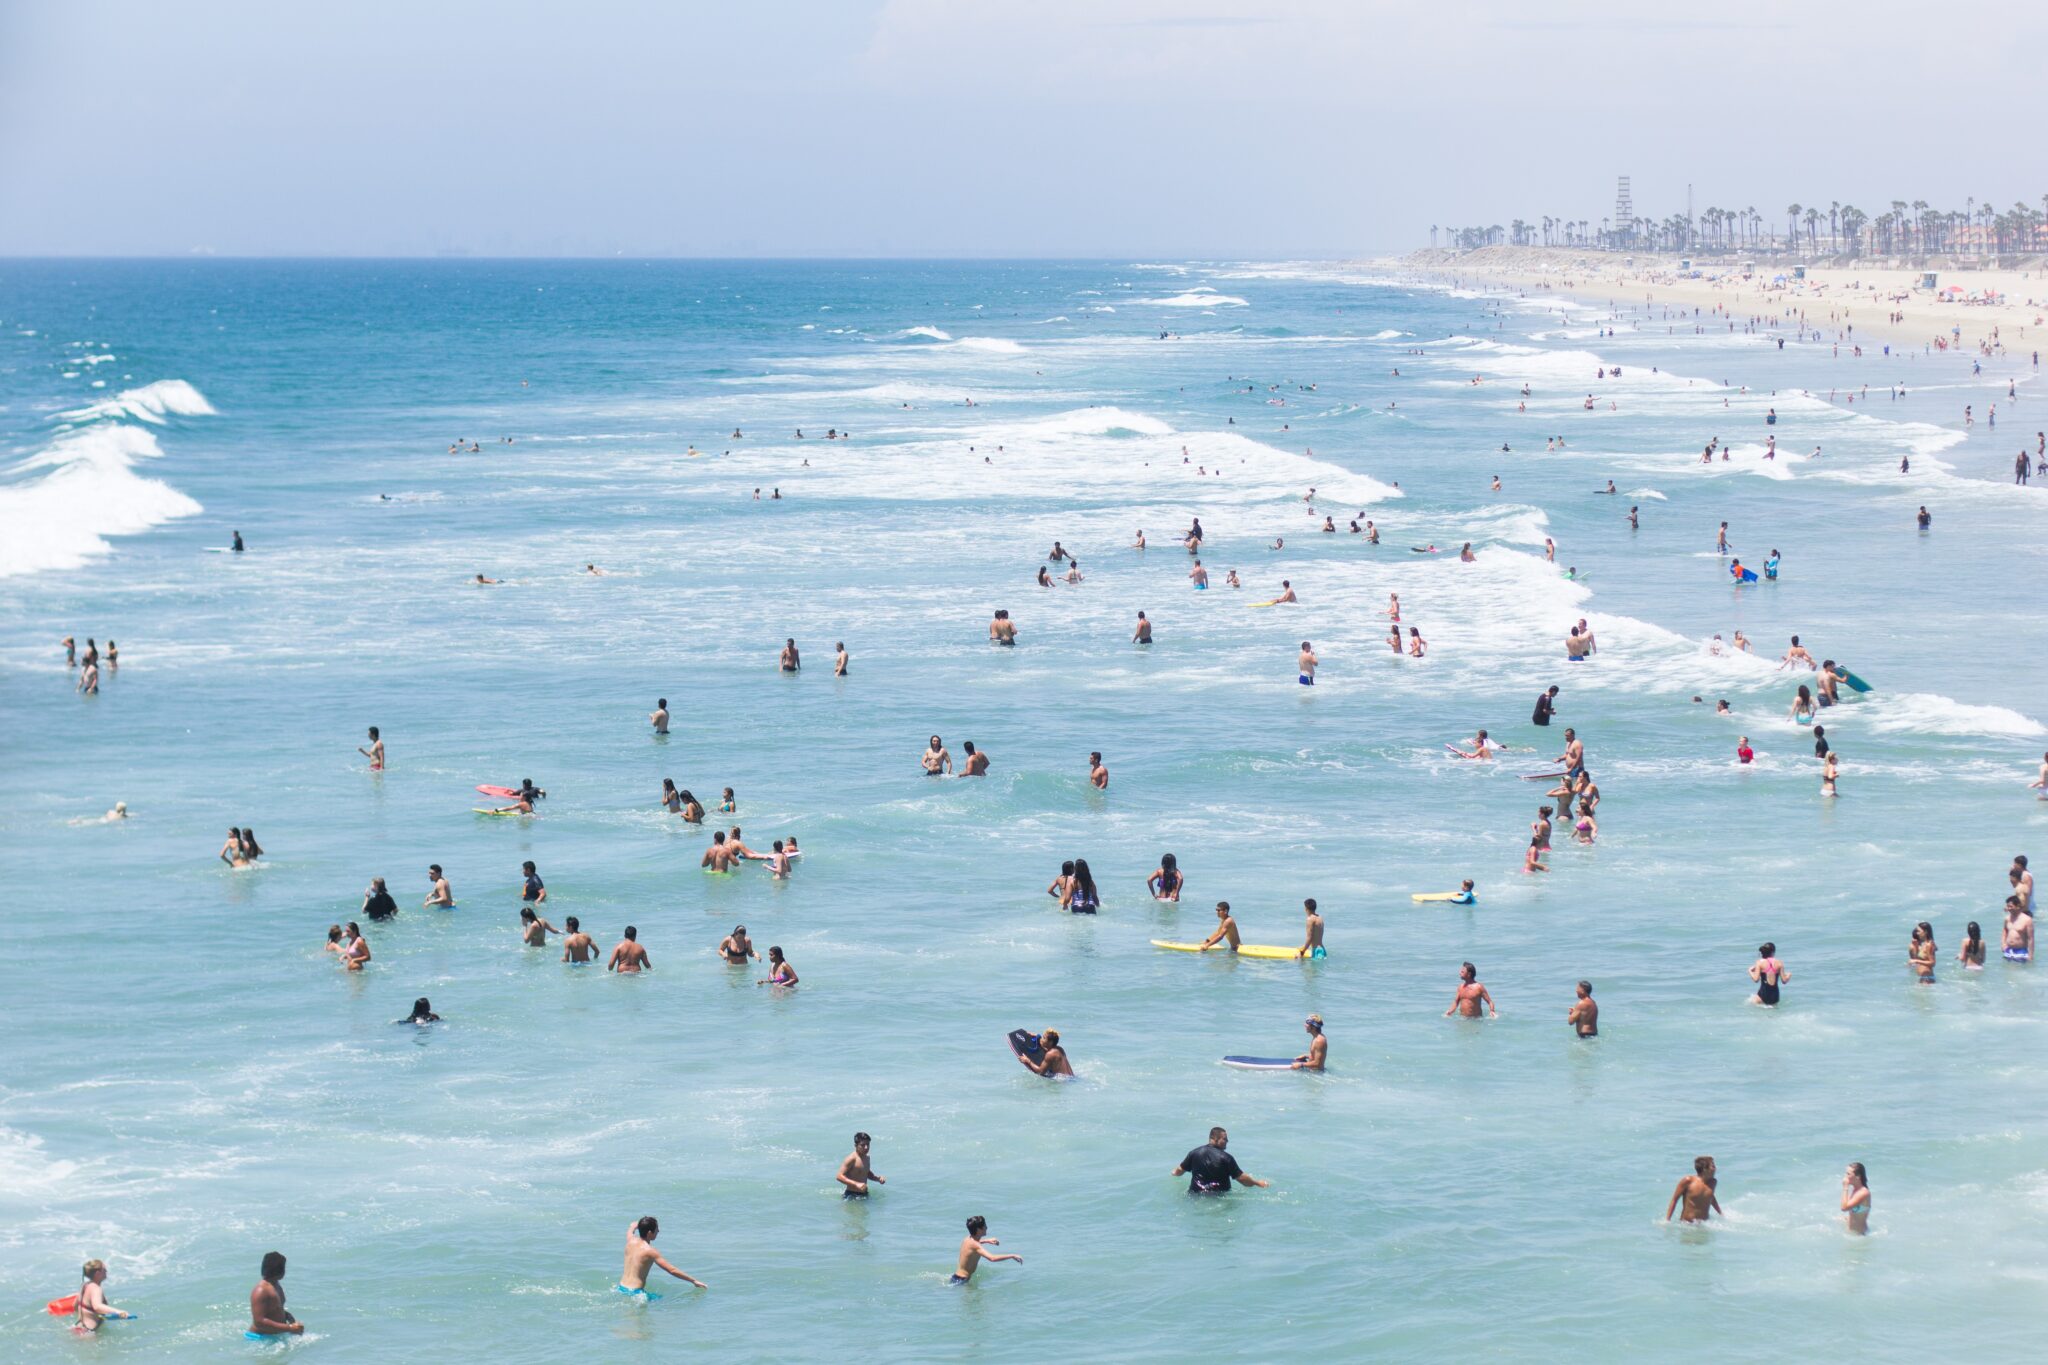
<point>1394,607</point>
<point>1230,580</point>
<point>1166,879</point>
<point>1920,952</point>
<point>1830,769</point>
<point>1002,631</point>
<point>267,1315</point>
<point>1199,576</point>
<point>780,973</point>
<point>1139,543</point>
<point>120,811</point>
<point>736,948</point>
<point>1044,578</point>
<point>693,809</point>
<point>2017,937</point>
<point>1073,574</point>
<point>727,805</point>
<point>92,1307</point>
<point>936,761</point>
<point>629,957</point>
<point>1802,706</point>
<point>1797,655</point>
<point>422,1013</point>
<point>1143,634</point>
<point>1482,749</point>
<point>375,753</point>
<point>840,659</point>
<point>1971,954</point>
<point>1417,646</point>
<point>790,662</point>
<point>718,857</point>
<point>1306,664</point>
<point>1317,1057</point>
<point>1584,1015</point>
<point>1210,1168</point>
<point>577,946</point>
<point>1465,556</point>
<point>778,861</point>
<point>593,570</point>
<point>1532,858</point>
<point>658,718</point>
<point>1226,928</point>
<point>972,1253</point>
<point>977,761</point>
<point>533,930</point>
<point>1769,974</point>
<point>1052,1058</point>
<point>1743,753</point>
<point>1696,1192</point>
<point>1286,595</point>
<point>482,582</point>
<point>671,799</point>
<point>1098,775</point>
<point>855,1172</point>
<point>532,892</point>
<point>1312,943</point>
<point>640,1254</point>
<point>1470,996</point>
<point>439,896</point>
<point>1856,1199</point>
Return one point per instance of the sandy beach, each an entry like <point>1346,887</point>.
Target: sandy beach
<point>1975,308</point>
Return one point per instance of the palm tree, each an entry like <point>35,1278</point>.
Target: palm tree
<point>1813,230</point>
<point>1920,217</point>
<point>1853,220</point>
<point>1834,227</point>
<point>1792,212</point>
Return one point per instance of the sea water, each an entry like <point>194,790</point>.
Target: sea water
<point>189,1081</point>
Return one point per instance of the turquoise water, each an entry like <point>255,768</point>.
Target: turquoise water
<point>189,1081</point>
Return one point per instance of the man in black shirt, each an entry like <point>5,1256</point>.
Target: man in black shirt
<point>1546,703</point>
<point>1820,741</point>
<point>1210,1168</point>
<point>378,902</point>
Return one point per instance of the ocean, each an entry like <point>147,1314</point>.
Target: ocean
<point>189,1081</point>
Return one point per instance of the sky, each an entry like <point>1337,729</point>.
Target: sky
<point>1033,128</point>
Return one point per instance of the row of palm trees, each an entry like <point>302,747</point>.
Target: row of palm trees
<point>1905,229</point>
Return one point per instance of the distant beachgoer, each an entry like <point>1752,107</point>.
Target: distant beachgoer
<point>378,902</point>
<point>1210,1168</point>
<point>1143,634</point>
<point>1920,953</point>
<point>789,660</point>
<point>422,1013</point>
<point>1546,706</point>
<point>1584,1015</point>
<point>91,1307</point>
<point>375,753</point>
<point>1306,663</point>
<point>977,761</point>
<point>577,946</point>
<point>1312,941</point>
<point>1002,630</point>
<point>1470,995</point>
<point>1052,1057</point>
<point>2017,938</point>
<point>1317,1058</point>
<point>1098,775</point>
<point>972,1253</point>
<point>1856,1199</point>
<point>736,948</point>
<point>439,896</point>
<point>780,973</point>
<point>628,957</point>
<point>1769,974</point>
<point>267,1315</point>
<point>856,1173</point>
<point>1697,1192</point>
<point>659,718</point>
<point>533,930</point>
<point>1226,928</point>
<point>1971,954</point>
<point>640,1255</point>
<point>839,659</point>
<point>1166,880</point>
<point>936,760</point>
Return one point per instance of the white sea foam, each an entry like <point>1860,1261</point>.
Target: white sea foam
<point>992,345</point>
<point>58,506</point>
<point>150,403</point>
<point>1388,334</point>
<point>1931,714</point>
<point>1199,298</point>
<point>928,333</point>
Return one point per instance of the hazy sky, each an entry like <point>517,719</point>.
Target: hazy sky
<point>1024,128</point>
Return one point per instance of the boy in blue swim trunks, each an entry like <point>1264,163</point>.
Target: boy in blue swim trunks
<point>640,1254</point>
<point>1312,946</point>
<point>971,1253</point>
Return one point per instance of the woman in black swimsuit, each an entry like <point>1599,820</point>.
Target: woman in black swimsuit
<point>1769,974</point>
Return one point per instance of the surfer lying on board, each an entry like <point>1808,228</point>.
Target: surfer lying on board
<point>1482,748</point>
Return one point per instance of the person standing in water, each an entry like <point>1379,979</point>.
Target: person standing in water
<point>1098,775</point>
<point>936,760</point>
<point>839,659</point>
<point>1226,928</point>
<point>790,661</point>
<point>972,1253</point>
<point>641,1255</point>
<point>92,1307</point>
<point>375,753</point>
<point>1143,634</point>
<point>1307,664</point>
<point>577,947</point>
<point>1312,945</point>
<point>1165,881</point>
<point>1856,1199</point>
<point>1698,1192</point>
<point>629,957</point>
<point>1002,630</point>
<point>267,1315</point>
<point>1471,995</point>
<point>1584,1015</point>
<point>1052,1058</point>
<point>659,718</point>
<point>1210,1168</point>
<point>440,896</point>
<point>855,1172</point>
<point>1769,974</point>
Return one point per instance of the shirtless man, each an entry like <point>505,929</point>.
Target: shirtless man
<point>1483,748</point>
<point>1318,1055</point>
<point>267,1315</point>
<point>1143,634</point>
<point>936,760</point>
<point>1797,655</point>
<point>1002,630</point>
<point>1198,575</point>
<point>1584,1015</point>
<point>839,659</point>
<point>1058,553</point>
<point>375,753</point>
<point>659,718</point>
<point>2018,938</point>
<point>1470,996</point>
<point>2022,880</point>
<point>855,1173</point>
<point>1306,663</point>
<point>440,897</point>
<point>577,946</point>
<point>640,1254</point>
<point>718,857</point>
<point>1098,776</point>
<point>1286,594</point>
<point>735,948</point>
<point>1052,1058</point>
<point>971,1253</point>
<point>629,956</point>
<point>1697,1192</point>
<point>790,662</point>
<point>1574,755</point>
<point>1312,944</point>
<point>977,761</point>
<point>1226,928</point>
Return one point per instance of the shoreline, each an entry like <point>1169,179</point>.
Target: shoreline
<point>1994,309</point>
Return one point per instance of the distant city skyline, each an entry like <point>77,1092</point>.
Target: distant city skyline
<point>960,128</point>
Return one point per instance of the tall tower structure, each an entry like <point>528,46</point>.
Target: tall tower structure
<point>1624,214</point>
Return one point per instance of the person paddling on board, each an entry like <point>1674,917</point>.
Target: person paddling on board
<point>640,1255</point>
<point>1226,928</point>
<point>1318,1054</point>
<point>267,1315</point>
